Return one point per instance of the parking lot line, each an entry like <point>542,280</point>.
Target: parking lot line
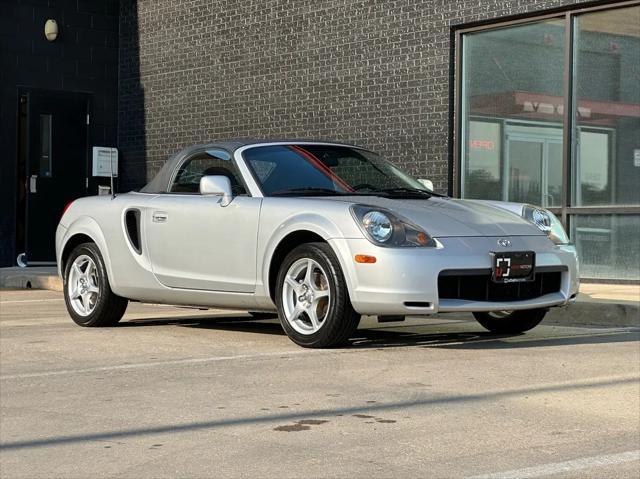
<point>32,300</point>
<point>65,372</point>
<point>565,467</point>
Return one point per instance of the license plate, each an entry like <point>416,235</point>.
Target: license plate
<point>513,266</point>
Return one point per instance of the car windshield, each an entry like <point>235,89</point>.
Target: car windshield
<point>318,170</point>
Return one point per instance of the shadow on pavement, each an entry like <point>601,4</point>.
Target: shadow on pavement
<point>324,414</point>
<point>426,335</point>
<point>487,340</point>
<point>224,323</point>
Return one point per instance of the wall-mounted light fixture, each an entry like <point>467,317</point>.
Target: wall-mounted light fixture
<point>51,29</point>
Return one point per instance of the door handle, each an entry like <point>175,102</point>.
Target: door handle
<point>33,184</point>
<point>160,217</point>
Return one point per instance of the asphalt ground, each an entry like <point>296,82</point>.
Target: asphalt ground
<point>186,393</point>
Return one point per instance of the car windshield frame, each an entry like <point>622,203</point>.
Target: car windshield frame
<point>399,183</point>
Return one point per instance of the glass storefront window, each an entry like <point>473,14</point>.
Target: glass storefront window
<point>607,245</point>
<point>606,85</point>
<point>514,85</point>
<point>512,108</point>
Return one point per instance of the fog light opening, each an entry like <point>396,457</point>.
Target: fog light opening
<point>417,304</point>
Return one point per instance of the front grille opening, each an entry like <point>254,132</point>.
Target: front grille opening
<point>479,287</point>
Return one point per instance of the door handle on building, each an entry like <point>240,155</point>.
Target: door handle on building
<point>33,184</point>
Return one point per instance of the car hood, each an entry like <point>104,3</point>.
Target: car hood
<point>447,217</point>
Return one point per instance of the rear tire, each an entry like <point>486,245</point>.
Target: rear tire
<point>87,292</point>
<point>312,298</point>
<point>511,322</point>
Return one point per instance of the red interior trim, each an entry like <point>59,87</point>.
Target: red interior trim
<point>321,166</point>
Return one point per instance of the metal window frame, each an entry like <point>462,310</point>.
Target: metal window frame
<point>567,14</point>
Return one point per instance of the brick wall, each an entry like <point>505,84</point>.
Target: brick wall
<point>84,58</point>
<point>374,73</point>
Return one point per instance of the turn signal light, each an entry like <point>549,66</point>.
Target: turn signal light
<point>422,238</point>
<point>365,258</point>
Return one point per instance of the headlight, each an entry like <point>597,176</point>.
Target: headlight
<point>546,221</point>
<point>383,228</point>
<point>378,225</point>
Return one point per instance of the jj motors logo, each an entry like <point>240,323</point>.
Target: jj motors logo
<point>503,267</point>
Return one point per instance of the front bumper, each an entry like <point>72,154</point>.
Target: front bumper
<point>404,281</point>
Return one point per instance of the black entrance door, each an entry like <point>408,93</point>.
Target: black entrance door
<point>57,162</point>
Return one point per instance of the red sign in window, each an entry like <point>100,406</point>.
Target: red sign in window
<point>487,145</point>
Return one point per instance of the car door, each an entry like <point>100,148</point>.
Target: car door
<point>196,243</point>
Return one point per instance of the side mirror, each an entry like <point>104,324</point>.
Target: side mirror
<point>217,186</point>
<point>428,184</point>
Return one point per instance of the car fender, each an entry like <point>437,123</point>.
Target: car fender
<point>88,226</point>
<point>320,225</point>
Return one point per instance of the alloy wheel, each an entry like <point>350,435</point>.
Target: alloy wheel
<point>306,296</point>
<point>83,286</point>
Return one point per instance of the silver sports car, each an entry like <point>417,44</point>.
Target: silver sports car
<point>321,232</point>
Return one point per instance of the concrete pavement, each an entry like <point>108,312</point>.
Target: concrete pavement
<point>185,393</point>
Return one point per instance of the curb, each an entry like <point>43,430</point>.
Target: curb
<point>30,278</point>
<point>592,313</point>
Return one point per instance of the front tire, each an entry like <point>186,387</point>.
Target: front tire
<point>511,322</point>
<point>312,298</point>
<point>87,292</point>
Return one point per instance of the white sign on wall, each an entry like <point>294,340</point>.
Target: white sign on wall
<point>105,160</point>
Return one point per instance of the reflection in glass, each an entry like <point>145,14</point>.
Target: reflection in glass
<point>554,174</point>
<point>525,171</point>
<point>607,245</point>
<point>534,164</point>
<point>512,111</point>
<point>607,108</point>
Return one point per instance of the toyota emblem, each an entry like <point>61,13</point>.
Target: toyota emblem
<point>505,243</point>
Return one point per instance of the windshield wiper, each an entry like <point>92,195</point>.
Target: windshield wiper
<point>407,191</point>
<point>412,191</point>
<point>310,191</point>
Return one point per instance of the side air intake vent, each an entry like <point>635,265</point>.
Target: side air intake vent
<point>132,223</point>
